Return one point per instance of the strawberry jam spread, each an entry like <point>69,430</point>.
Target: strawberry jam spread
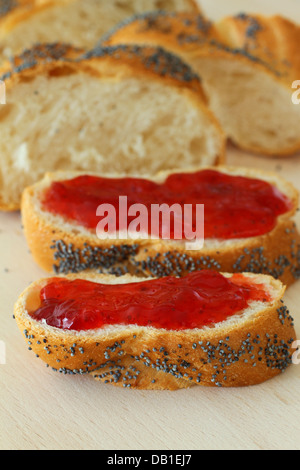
<point>197,300</point>
<point>235,206</point>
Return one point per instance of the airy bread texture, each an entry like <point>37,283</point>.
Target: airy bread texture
<point>120,109</point>
<point>66,247</point>
<point>246,349</point>
<point>24,23</point>
<point>247,63</point>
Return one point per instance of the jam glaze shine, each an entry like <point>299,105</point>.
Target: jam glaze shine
<point>236,207</point>
<point>200,299</point>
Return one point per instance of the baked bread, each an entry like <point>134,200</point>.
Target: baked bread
<point>247,63</point>
<point>61,242</point>
<point>121,109</point>
<point>248,347</point>
<point>24,23</point>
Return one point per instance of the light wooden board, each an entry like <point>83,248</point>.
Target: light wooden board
<point>43,410</point>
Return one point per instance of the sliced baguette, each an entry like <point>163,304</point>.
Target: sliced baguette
<point>246,349</point>
<point>66,247</point>
<point>24,23</point>
<point>124,109</point>
<point>248,64</point>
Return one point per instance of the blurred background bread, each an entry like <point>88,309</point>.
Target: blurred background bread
<point>248,64</point>
<point>123,109</point>
<point>24,23</point>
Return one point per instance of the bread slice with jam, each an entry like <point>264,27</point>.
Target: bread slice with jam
<point>207,328</point>
<point>249,223</point>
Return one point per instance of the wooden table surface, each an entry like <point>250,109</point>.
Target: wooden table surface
<point>40,409</point>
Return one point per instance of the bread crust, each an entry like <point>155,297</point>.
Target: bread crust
<point>135,374</point>
<point>246,352</point>
<point>247,38</point>
<point>54,247</point>
<point>265,44</point>
<point>272,40</point>
<point>118,61</point>
<point>13,12</point>
<point>19,16</point>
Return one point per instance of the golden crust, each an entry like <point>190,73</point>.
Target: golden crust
<point>54,247</point>
<point>273,40</point>
<point>14,12</point>
<point>270,43</point>
<point>276,254</point>
<point>247,352</point>
<point>182,33</point>
<point>40,59</point>
<point>119,61</point>
<point>8,207</point>
<point>135,374</point>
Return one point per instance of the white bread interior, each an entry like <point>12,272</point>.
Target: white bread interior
<point>255,110</point>
<point>79,122</point>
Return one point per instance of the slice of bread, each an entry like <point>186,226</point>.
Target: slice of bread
<point>24,23</point>
<point>248,65</point>
<point>66,247</point>
<point>245,349</point>
<point>120,109</point>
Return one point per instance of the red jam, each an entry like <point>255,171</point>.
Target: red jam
<point>235,206</point>
<point>199,299</point>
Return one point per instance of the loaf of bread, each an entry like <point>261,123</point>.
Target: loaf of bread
<point>247,346</point>
<point>123,109</point>
<point>63,242</point>
<point>24,23</point>
<point>248,65</point>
